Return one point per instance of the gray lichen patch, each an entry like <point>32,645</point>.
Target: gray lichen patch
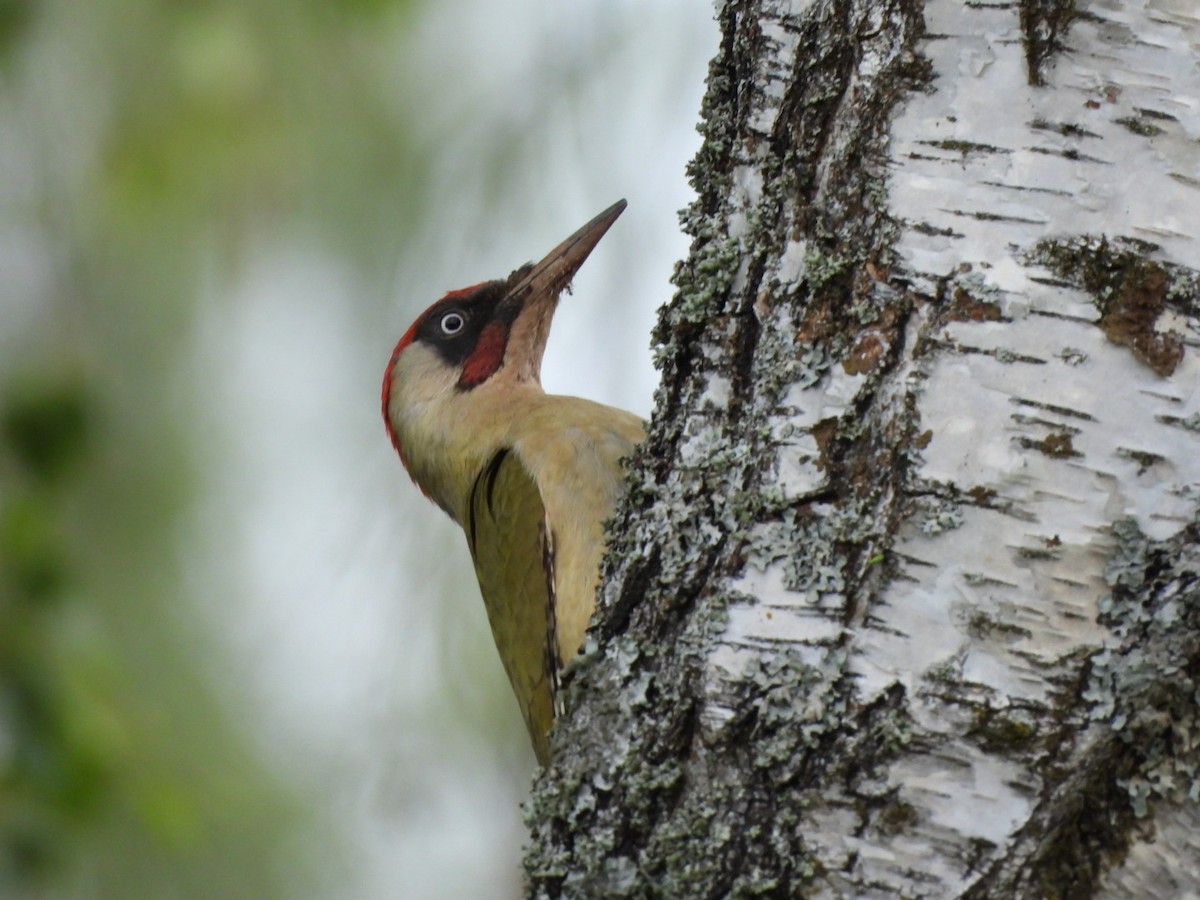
<point>938,515</point>
<point>1146,687</point>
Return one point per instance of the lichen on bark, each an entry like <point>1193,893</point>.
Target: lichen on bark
<point>849,639</point>
<point>787,277</point>
<point>1131,290</point>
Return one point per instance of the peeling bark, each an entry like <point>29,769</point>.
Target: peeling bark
<point>904,599</point>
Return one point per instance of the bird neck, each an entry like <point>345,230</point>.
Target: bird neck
<point>446,440</point>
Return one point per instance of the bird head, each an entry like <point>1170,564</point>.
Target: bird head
<point>486,339</point>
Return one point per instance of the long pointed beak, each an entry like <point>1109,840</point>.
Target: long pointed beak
<point>548,277</point>
<point>533,295</point>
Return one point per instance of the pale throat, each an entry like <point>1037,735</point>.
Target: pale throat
<point>448,434</point>
<point>449,438</point>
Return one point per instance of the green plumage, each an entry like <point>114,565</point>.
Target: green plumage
<point>507,534</point>
<point>529,476</point>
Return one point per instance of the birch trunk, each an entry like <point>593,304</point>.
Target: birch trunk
<point>905,600</point>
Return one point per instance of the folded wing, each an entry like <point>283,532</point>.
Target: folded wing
<point>512,545</point>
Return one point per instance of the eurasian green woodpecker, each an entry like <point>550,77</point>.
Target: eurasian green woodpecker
<point>529,476</point>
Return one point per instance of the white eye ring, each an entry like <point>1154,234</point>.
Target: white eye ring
<point>453,323</point>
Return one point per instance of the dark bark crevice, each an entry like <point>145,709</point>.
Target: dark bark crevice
<point>1044,24</point>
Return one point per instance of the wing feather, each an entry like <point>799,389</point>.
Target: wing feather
<point>512,545</point>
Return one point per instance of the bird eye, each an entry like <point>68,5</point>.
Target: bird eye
<point>452,323</point>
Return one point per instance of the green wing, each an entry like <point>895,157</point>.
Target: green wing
<point>513,549</point>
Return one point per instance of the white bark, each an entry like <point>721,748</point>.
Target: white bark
<point>907,602</point>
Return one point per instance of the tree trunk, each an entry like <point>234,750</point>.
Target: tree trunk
<point>905,599</point>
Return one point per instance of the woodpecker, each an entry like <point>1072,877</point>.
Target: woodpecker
<point>529,476</point>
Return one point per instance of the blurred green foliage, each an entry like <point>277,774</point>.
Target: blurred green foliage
<point>160,160</point>
<point>145,142</point>
<point>46,429</point>
<point>50,772</point>
<point>119,774</point>
<point>15,16</point>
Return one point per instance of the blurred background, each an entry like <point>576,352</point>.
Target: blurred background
<point>240,656</point>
